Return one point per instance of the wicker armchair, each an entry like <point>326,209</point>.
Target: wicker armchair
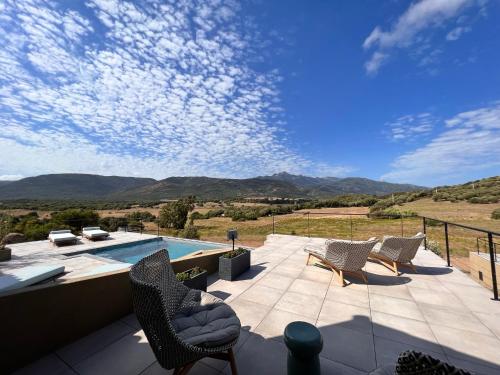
<point>397,251</point>
<point>343,256</point>
<point>182,325</point>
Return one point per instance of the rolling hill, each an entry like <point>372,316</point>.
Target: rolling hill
<point>95,187</point>
<point>69,186</point>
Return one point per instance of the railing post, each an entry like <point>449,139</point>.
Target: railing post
<point>308,232</point>
<point>425,232</point>
<point>273,223</point>
<point>447,244</point>
<point>401,216</point>
<point>158,228</point>
<point>493,267</point>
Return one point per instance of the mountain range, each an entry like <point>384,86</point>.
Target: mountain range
<point>283,185</point>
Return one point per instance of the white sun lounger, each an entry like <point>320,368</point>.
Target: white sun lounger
<point>94,233</point>
<point>60,237</point>
<point>26,276</point>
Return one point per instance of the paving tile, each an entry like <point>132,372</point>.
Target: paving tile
<point>438,298</point>
<point>261,356</point>
<point>262,294</point>
<point>388,351</point>
<point>50,364</point>
<point>469,346</point>
<point>129,355</point>
<point>300,304</point>
<point>249,313</point>
<point>491,321</point>
<point>309,287</point>
<point>332,367</point>
<point>397,291</point>
<point>403,330</point>
<point>85,347</point>
<point>357,297</point>
<point>320,276</point>
<point>349,347</point>
<point>395,306</point>
<point>349,316</point>
<point>276,281</point>
<point>132,321</point>
<point>198,369</point>
<point>474,367</point>
<point>228,290</point>
<point>275,322</point>
<point>449,318</point>
<point>287,271</point>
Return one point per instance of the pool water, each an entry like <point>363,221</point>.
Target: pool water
<point>133,252</point>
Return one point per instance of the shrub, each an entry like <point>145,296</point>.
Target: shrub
<point>496,214</point>
<point>183,276</point>
<point>234,253</point>
<point>111,224</point>
<point>190,231</point>
<point>141,215</point>
<point>175,214</point>
<point>75,218</point>
<point>434,247</point>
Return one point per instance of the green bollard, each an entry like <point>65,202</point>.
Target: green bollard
<point>304,343</point>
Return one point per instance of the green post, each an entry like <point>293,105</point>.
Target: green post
<point>304,343</point>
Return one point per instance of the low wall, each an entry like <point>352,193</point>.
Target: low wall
<point>480,269</point>
<point>40,319</point>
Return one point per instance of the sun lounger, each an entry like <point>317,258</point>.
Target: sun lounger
<point>397,251</point>
<point>343,256</point>
<point>60,237</point>
<point>94,233</point>
<point>26,276</point>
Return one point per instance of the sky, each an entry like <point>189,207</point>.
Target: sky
<point>397,91</point>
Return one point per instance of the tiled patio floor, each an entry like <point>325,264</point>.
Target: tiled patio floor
<point>438,310</point>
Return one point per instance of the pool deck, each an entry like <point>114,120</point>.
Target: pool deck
<point>76,259</point>
<point>438,310</point>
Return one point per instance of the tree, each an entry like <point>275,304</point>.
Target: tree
<point>175,214</point>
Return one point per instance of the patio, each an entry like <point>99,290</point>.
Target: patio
<point>438,310</point>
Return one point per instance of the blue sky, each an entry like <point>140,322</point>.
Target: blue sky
<point>399,91</point>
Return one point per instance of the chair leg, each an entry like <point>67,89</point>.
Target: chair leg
<point>308,259</point>
<point>184,370</point>
<point>395,268</point>
<point>341,275</point>
<point>232,362</point>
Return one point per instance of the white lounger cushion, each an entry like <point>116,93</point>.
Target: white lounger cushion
<point>57,236</point>
<point>25,276</point>
<point>93,233</point>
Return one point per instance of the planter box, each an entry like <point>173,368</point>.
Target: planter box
<point>197,282</point>
<point>5,254</point>
<point>231,268</point>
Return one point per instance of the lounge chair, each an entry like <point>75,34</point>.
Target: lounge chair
<point>182,325</point>
<point>397,251</point>
<point>61,237</point>
<point>94,233</point>
<point>25,276</point>
<point>343,256</point>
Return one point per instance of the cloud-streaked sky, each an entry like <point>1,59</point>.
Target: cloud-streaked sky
<point>395,91</point>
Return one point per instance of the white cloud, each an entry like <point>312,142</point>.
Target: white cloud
<point>470,143</point>
<point>410,127</point>
<point>420,17</point>
<point>457,32</point>
<point>10,177</point>
<point>154,89</point>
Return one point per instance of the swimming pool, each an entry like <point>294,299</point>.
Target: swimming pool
<point>133,252</point>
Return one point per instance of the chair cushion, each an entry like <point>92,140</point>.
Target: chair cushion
<point>205,320</point>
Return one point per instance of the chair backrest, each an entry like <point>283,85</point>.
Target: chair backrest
<point>156,296</point>
<point>60,231</point>
<point>401,249</point>
<point>349,255</point>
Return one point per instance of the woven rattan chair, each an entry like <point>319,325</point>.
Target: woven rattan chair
<point>397,251</point>
<point>182,325</point>
<point>343,256</point>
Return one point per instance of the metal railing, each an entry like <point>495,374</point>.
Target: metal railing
<point>488,239</point>
<point>484,240</point>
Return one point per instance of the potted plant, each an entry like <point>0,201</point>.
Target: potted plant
<point>234,263</point>
<point>194,278</point>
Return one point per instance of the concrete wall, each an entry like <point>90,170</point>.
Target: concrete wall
<point>37,320</point>
<point>480,263</point>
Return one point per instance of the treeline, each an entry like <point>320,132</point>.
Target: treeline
<point>60,205</point>
<point>35,228</point>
